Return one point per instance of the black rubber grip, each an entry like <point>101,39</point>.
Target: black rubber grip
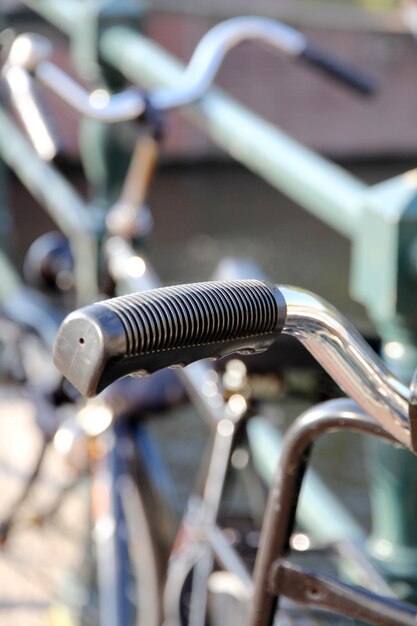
<point>171,326</point>
<point>339,69</point>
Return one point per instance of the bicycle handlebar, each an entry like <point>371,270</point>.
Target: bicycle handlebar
<point>198,75</point>
<point>174,326</point>
<point>24,55</point>
<point>213,47</point>
<point>166,327</point>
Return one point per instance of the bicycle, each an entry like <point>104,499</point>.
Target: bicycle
<point>52,77</point>
<point>174,326</point>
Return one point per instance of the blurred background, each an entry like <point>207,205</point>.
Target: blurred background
<point>213,205</point>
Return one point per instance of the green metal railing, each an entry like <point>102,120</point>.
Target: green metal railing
<point>321,187</point>
<point>71,213</point>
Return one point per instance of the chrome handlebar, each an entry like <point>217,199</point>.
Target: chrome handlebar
<point>30,53</point>
<point>24,55</point>
<point>344,354</point>
<point>212,49</point>
<point>174,326</point>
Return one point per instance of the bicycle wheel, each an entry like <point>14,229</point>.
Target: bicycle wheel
<point>41,551</point>
<point>41,494</point>
<point>130,532</point>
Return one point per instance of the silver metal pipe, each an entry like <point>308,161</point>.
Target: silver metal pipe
<point>213,47</point>
<point>194,82</point>
<point>30,54</point>
<point>99,105</point>
<point>22,95</point>
<point>229,559</point>
<point>349,360</point>
<point>26,52</point>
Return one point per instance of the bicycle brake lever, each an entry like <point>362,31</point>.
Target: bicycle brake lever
<point>171,326</point>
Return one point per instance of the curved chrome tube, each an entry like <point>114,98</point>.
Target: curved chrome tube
<point>212,49</point>
<point>25,53</point>
<point>28,52</point>
<point>35,122</point>
<point>31,52</point>
<point>345,355</point>
<point>98,105</point>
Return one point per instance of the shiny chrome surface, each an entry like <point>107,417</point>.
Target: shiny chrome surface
<point>28,50</point>
<point>21,88</point>
<point>345,355</point>
<point>25,53</point>
<point>196,79</point>
<point>98,105</point>
<point>213,47</point>
<point>30,53</point>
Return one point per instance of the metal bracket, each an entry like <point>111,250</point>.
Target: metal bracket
<point>312,589</point>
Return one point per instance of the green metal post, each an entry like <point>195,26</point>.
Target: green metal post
<point>64,15</point>
<point>105,149</point>
<point>53,192</point>
<point>82,21</point>
<point>105,153</point>
<point>384,278</point>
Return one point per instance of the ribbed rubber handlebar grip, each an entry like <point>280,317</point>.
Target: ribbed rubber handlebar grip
<point>171,326</point>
